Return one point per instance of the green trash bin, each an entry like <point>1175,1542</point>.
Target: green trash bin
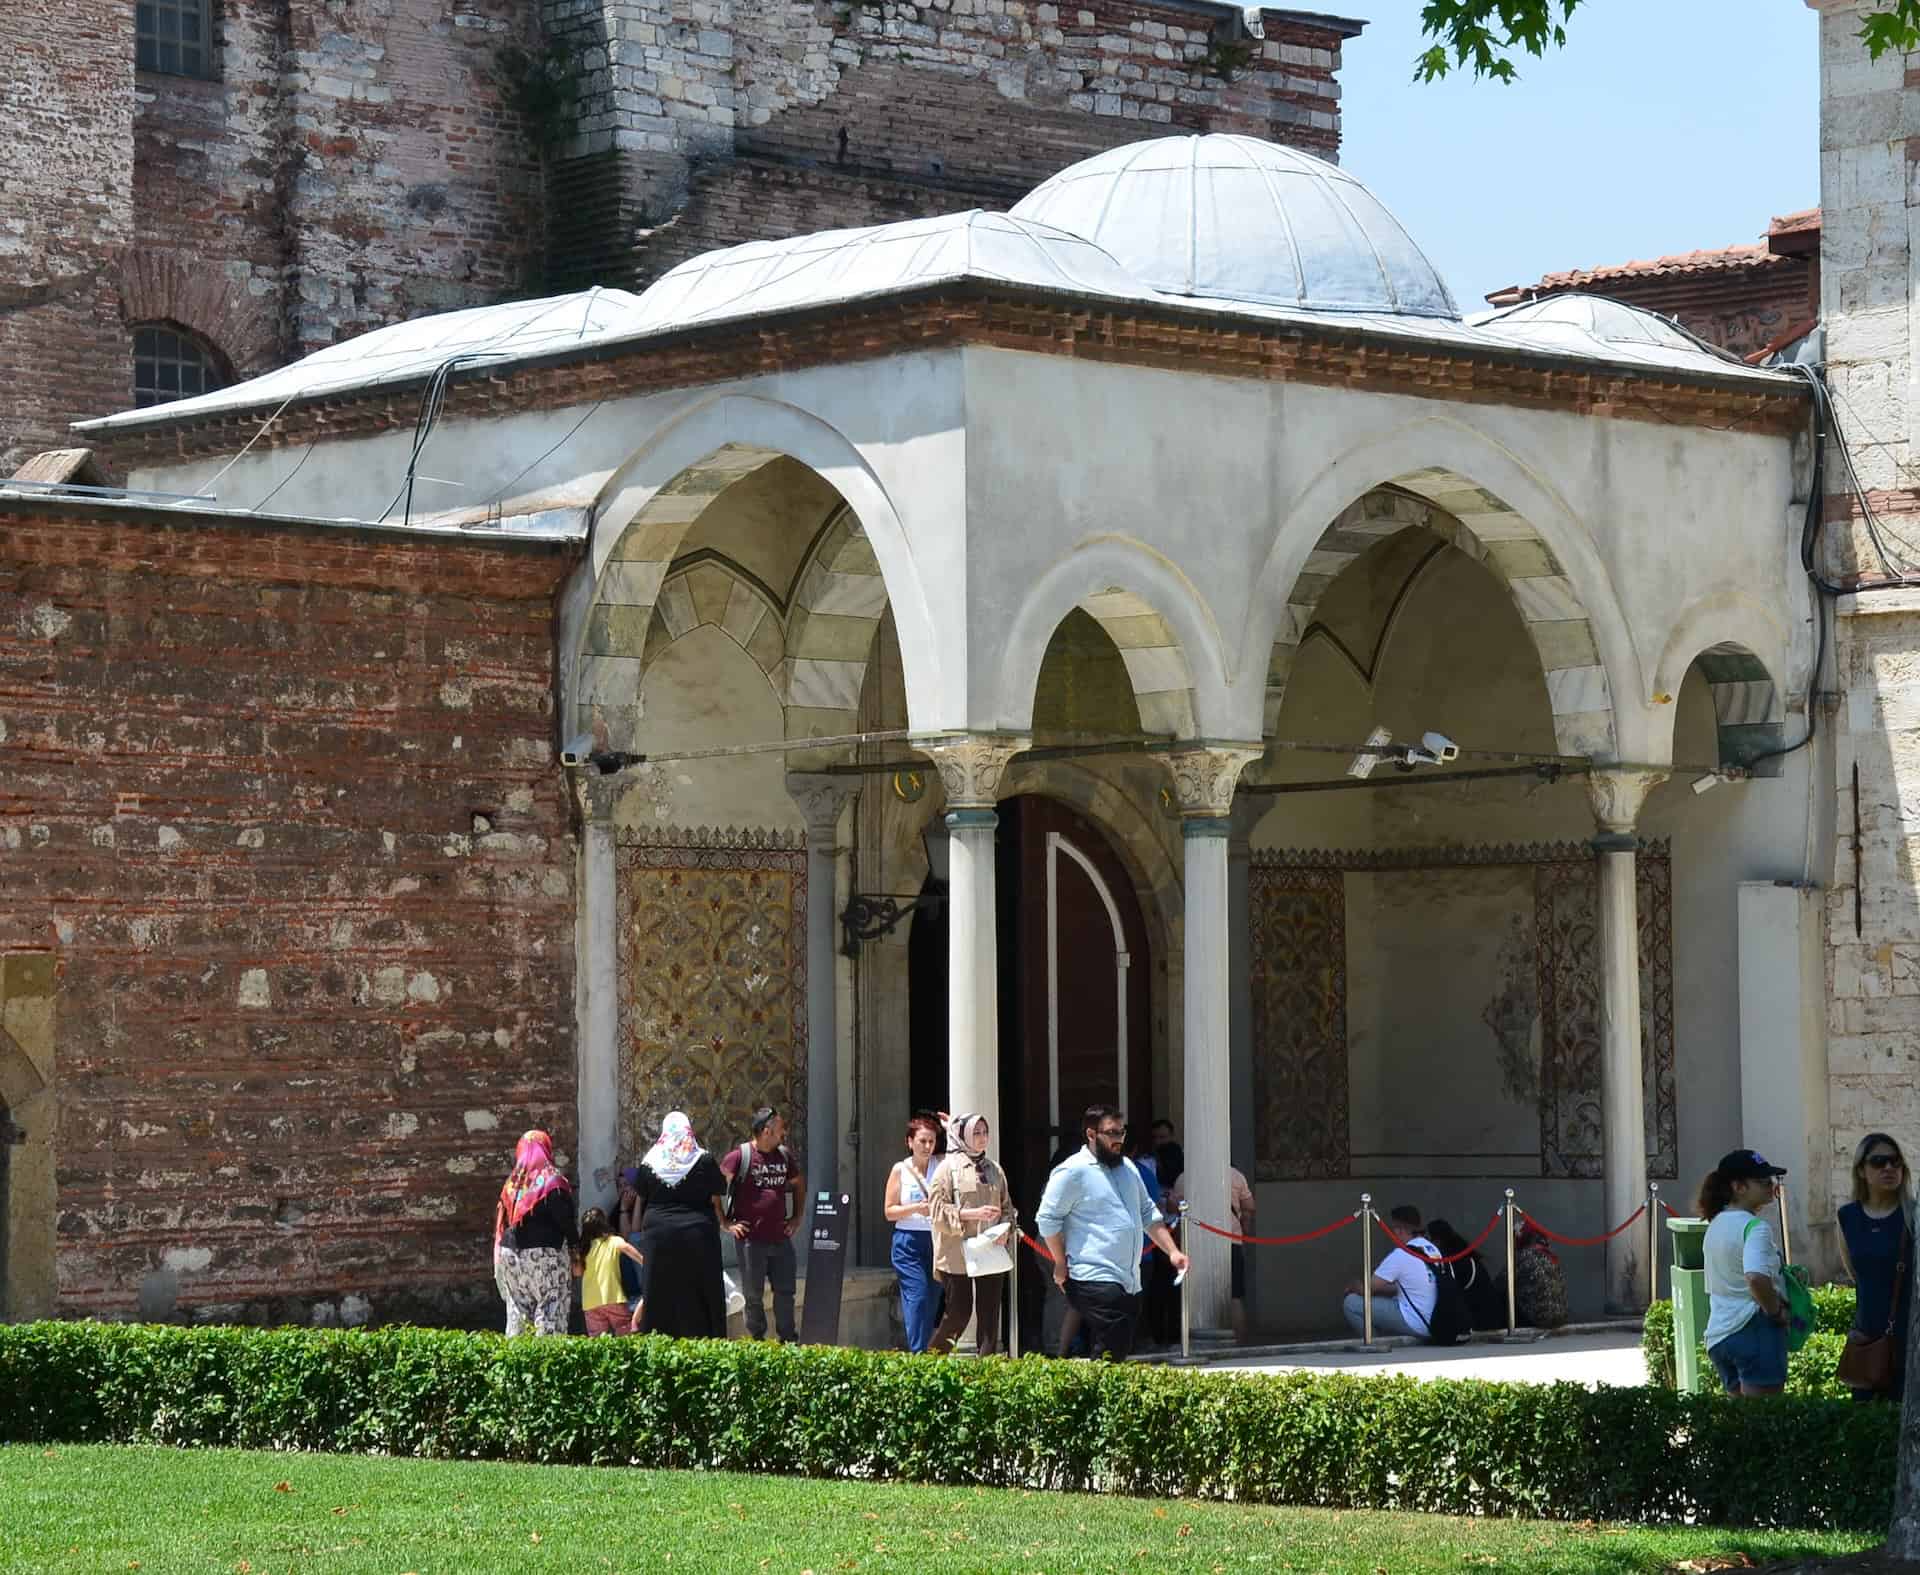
<point>1691,1304</point>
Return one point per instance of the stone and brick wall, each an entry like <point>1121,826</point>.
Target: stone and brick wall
<point>281,807</point>
<point>66,214</point>
<point>705,124</point>
<point>1867,198</point>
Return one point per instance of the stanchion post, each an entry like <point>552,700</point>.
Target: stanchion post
<point>1786,1234</point>
<point>1013,1303</point>
<point>1186,1316</point>
<point>1653,1242</point>
<point>1366,1266</point>
<point>1510,1292</point>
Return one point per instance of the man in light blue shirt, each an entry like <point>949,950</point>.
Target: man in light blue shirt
<point>1093,1215</point>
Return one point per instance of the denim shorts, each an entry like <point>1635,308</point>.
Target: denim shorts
<point>1754,1355</point>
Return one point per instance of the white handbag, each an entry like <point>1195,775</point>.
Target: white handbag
<point>987,1253</point>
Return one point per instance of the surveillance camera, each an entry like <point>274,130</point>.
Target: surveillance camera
<point>1439,748</point>
<point>576,750</point>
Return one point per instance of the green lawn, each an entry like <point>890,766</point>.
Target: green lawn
<point>99,1508</point>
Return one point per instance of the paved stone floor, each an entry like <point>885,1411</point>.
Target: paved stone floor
<point>1611,1357</point>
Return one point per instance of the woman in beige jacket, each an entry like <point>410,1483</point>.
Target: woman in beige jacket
<point>970,1197</point>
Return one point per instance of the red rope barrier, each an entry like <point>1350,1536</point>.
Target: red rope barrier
<point>1276,1241</point>
<point>1453,1257</point>
<point>1036,1246</point>
<point>1582,1241</point>
<point>1675,1213</point>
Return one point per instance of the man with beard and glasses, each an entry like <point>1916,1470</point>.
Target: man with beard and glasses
<point>1094,1215</point>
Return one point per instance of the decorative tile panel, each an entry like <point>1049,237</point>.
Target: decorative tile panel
<point>1298,958</point>
<point>713,984</point>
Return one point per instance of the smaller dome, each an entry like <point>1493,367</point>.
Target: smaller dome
<point>844,265</point>
<point>1237,219</point>
<point>1597,316</point>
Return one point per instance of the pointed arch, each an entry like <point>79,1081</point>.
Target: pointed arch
<point>839,598</point>
<point>1166,635</point>
<point>648,507</point>
<point>1447,478</point>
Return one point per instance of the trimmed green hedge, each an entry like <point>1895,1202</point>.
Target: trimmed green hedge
<point>1557,1452</point>
<point>1811,1370</point>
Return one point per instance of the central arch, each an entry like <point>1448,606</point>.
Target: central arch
<point>1449,479</point>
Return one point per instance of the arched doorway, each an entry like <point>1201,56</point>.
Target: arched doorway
<point>1075,974</point>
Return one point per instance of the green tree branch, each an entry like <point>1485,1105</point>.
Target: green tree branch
<point>1485,36</point>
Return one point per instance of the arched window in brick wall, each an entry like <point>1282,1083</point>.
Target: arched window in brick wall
<point>174,36</point>
<point>169,363</point>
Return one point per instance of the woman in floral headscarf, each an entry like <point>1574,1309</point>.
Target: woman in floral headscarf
<point>534,1233</point>
<point>970,1198</point>
<point>682,1190</point>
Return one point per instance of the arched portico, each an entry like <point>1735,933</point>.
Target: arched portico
<point>1156,618</point>
<point>1484,500</point>
<point>644,515</point>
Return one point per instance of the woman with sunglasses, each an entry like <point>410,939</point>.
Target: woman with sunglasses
<point>1876,1242</point>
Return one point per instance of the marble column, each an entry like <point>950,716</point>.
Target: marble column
<point>1203,783</point>
<point>1617,797</point>
<point>970,769</point>
<point>822,799</point>
<point>597,995</point>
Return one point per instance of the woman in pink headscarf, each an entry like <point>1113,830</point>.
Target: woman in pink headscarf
<point>534,1234</point>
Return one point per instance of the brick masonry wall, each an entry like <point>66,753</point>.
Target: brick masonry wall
<point>283,805</point>
<point>66,212</point>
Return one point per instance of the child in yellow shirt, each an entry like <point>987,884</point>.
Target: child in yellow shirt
<point>601,1299</point>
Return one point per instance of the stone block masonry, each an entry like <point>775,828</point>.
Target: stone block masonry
<point>280,805</point>
<point>704,124</point>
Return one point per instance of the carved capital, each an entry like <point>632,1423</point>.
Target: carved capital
<point>970,768</point>
<point>821,796</point>
<point>1204,778</point>
<point>1617,796</point>
<point>598,795</point>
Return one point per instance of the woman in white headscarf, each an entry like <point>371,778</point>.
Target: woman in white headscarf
<point>970,1200</point>
<point>681,1191</point>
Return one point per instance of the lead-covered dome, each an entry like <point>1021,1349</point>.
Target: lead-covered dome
<point>1238,219</point>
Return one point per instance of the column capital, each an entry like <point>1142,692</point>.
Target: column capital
<point>1205,775</point>
<point>1618,793</point>
<point>971,766</point>
<point>821,796</point>
<point>599,795</point>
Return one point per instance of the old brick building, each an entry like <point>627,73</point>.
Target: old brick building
<point>1752,299</point>
<point>199,190</point>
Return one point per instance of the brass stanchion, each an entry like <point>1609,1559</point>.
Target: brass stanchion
<point>1510,1291</point>
<point>1366,1266</point>
<point>1786,1233</point>
<point>1013,1303</point>
<point>1653,1242</point>
<point>1186,1317</point>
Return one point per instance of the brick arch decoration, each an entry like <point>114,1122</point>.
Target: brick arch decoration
<point>1492,534</point>
<point>833,620</point>
<point>164,287</point>
<point>1156,661</point>
<point>707,590</point>
<point>1746,703</point>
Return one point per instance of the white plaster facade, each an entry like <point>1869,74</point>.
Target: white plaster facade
<point>894,539</point>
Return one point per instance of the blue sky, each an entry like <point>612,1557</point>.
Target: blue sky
<point>1665,125</point>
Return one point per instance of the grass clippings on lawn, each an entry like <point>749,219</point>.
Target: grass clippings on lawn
<point>101,1508</point>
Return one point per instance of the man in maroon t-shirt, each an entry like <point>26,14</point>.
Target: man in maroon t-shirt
<point>758,1220</point>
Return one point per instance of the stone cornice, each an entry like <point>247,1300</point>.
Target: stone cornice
<point>1328,354</point>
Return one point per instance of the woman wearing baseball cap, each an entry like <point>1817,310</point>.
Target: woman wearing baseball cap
<point>1747,1327</point>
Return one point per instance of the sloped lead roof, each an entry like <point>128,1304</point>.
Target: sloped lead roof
<point>1237,219</point>
<point>848,265</point>
<point>1219,224</point>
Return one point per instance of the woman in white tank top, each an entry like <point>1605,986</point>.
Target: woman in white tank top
<point>909,1206</point>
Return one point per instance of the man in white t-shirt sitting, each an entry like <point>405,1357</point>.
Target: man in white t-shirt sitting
<point>1403,1285</point>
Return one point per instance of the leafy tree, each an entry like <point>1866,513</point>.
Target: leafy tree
<point>1483,36</point>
